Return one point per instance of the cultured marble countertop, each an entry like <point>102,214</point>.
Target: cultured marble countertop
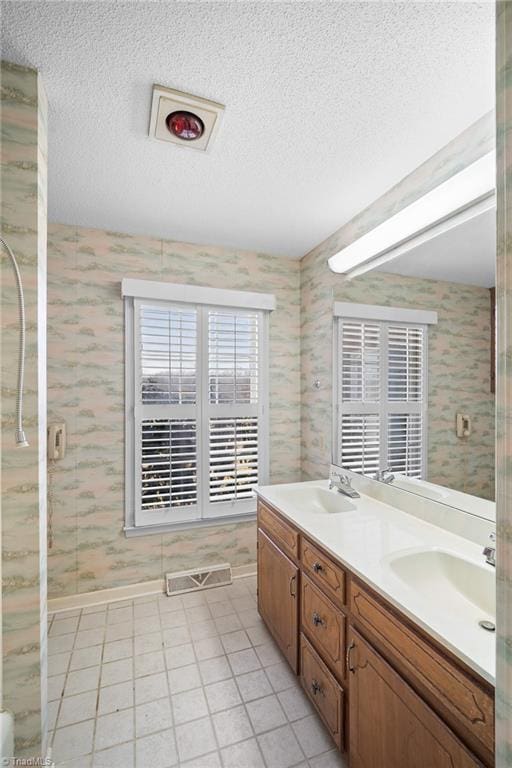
<point>365,538</point>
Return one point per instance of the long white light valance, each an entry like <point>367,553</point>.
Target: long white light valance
<point>196,294</point>
<point>388,314</point>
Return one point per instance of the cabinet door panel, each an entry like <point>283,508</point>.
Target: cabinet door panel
<point>278,585</point>
<point>390,726</point>
<point>464,704</point>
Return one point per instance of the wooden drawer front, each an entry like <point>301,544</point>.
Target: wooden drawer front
<point>327,574</point>
<point>468,707</point>
<point>324,624</point>
<point>282,533</point>
<point>323,690</point>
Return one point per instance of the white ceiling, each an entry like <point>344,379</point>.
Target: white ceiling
<point>328,104</point>
<point>464,254</point>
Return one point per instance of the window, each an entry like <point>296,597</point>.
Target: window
<point>196,401</point>
<point>381,389</point>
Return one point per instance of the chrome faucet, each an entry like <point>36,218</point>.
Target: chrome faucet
<point>382,476</point>
<point>343,484</point>
<point>490,552</point>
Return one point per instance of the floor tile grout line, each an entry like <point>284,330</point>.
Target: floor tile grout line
<point>61,697</point>
<point>134,718</point>
<point>192,642</point>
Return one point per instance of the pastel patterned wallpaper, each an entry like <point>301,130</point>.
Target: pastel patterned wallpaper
<point>504,385</point>
<point>459,347</point>
<point>23,470</point>
<point>86,390</point>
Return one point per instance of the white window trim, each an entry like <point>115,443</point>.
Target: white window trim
<point>374,312</point>
<point>222,513</point>
<point>196,294</point>
<point>383,316</point>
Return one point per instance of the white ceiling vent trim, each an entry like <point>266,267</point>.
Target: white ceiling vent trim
<point>383,313</point>
<point>166,102</point>
<point>196,294</point>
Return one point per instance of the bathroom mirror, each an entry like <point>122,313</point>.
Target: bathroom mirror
<point>414,369</point>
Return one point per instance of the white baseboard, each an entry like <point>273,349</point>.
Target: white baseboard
<point>101,596</point>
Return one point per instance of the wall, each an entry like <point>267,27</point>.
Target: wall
<point>504,385</point>
<point>86,389</point>
<point>463,330</point>
<point>23,470</point>
<point>458,365</point>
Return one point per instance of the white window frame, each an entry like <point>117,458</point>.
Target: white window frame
<point>383,317</point>
<point>203,300</point>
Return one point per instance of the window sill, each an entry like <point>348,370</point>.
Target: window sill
<point>207,522</point>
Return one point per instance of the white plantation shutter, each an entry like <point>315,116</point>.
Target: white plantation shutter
<point>198,414</point>
<point>405,444</point>
<point>233,407</point>
<point>360,363</point>
<point>233,458</point>
<point>360,442</point>
<point>233,357</point>
<point>169,463</point>
<point>381,396</point>
<point>405,363</point>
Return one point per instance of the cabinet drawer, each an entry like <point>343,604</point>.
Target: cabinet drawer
<point>282,533</point>
<point>323,691</point>
<point>324,624</point>
<point>324,571</point>
<point>460,700</point>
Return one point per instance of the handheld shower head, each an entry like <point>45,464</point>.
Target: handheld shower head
<point>20,437</point>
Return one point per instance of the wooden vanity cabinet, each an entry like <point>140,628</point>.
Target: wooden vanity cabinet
<point>278,597</point>
<point>388,694</point>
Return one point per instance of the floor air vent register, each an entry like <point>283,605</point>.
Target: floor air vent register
<point>189,581</point>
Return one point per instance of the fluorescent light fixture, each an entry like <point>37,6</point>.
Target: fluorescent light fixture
<point>463,196</point>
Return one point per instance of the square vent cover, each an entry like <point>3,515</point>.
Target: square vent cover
<point>183,119</point>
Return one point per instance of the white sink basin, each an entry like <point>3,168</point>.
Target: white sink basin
<point>454,583</point>
<point>427,490</point>
<point>315,499</point>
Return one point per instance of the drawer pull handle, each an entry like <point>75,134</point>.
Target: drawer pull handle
<point>293,592</point>
<point>349,650</point>
<point>317,619</point>
<point>317,567</point>
<point>316,687</point>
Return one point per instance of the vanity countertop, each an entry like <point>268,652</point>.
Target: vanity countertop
<point>368,537</point>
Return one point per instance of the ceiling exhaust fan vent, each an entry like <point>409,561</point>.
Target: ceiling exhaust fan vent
<point>181,118</point>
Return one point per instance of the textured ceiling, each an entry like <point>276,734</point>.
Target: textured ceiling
<point>464,254</point>
<point>327,105</point>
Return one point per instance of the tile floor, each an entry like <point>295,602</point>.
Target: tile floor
<point>193,681</point>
